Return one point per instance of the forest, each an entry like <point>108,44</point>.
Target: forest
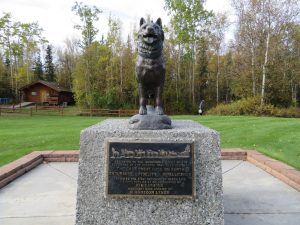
<point>261,62</point>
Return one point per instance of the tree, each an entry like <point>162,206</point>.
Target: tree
<point>202,69</point>
<point>219,26</point>
<point>66,62</point>
<point>88,15</point>
<point>262,24</point>
<point>5,91</point>
<point>6,34</point>
<point>30,35</point>
<point>49,66</point>
<point>38,68</point>
<point>90,83</point>
<point>248,40</point>
<point>19,44</point>
<point>189,20</point>
<point>129,84</point>
<point>114,42</point>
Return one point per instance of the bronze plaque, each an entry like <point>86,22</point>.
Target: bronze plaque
<point>156,169</point>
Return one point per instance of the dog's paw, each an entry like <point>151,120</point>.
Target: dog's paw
<point>143,110</point>
<point>159,110</point>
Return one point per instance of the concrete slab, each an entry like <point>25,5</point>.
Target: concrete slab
<point>23,105</point>
<point>47,220</point>
<point>252,196</point>
<point>261,219</point>
<point>47,195</point>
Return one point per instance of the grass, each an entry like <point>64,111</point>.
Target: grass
<point>20,135</point>
<point>278,138</point>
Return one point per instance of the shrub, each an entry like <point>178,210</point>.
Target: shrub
<point>252,106</point>
<point>289,112</point>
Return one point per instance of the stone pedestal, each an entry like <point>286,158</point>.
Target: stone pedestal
<point>94,207</point>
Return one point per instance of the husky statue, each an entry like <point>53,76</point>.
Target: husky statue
<point>150,73</point>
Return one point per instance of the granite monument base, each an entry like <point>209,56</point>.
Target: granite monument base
<point>95,206</point>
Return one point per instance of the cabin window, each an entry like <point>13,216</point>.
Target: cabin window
<point>34,93</point>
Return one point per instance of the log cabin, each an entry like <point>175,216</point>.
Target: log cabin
<point>46,93</point>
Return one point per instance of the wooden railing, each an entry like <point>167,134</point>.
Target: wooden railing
<point>108,112</point>
<point>33,110</point>
<point>60,110</point>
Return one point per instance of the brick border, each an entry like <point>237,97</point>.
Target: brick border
<point>20,166</point>
<point>286,173</point>
<point>280,170</point>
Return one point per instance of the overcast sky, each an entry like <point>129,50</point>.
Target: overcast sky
<point>58,20</point>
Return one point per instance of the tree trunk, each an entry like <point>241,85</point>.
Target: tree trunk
<point>121,76</point>
<point>252,71</point>
<point>218,74</point>
<point>178,73</point>
<point>264,70</point>
<point>193,73</point>
<point>296,91</point>
<point>15,77</point>
<point>190,77</point>
<point>294,94</point>
<point>190,82</point>
<point>88,83</point>
<point>10,64</point>
<point>11,71</point>
<point>27,65</point>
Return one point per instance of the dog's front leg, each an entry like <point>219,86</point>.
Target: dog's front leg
<point>143,100</point>
<point>158,100</point>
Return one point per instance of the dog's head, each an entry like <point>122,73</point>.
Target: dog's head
<point>150,33</point>
<point>150,38</point>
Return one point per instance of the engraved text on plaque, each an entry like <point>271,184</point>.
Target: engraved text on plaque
<point>150,169</point>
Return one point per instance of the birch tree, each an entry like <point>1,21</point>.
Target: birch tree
<point>190,20</point>
<point>219,26</point>
<point>88,15</point>
<point>260,25</point>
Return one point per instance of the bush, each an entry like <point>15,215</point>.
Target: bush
<point>289,112</point>
<point>252,106</point>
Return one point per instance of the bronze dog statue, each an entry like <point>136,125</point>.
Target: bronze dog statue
<point>150,65</point>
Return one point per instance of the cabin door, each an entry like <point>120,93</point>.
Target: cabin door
<point>44,95</point>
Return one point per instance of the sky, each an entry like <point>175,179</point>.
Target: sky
<point>58,20</point>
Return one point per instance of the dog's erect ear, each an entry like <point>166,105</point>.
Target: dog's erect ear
<point>158,21</point>
<point>142,21</point>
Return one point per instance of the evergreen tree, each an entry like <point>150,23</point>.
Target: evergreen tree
<point>49,66</point>
<point>5,90</point>
<point>38,68</point>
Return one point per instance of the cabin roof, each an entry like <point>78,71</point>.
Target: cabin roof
<point>53,85</point>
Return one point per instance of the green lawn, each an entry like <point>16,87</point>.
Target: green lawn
<point>278,138</point>
<point>275,137</point>
<point>20,135</point>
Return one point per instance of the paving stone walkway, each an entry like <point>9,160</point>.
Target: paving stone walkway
<point>47,195</point>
